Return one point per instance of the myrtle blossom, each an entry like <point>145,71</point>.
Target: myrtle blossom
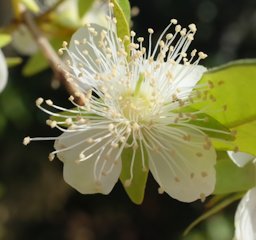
<point>241,158</point>
<point>134,99</point>
<point>245,217</point>
<point>3,71</point>
<point>23,42</point>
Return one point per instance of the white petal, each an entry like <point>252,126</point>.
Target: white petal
<point>3,71</point>
<point>185,169</point>
<point>68,11</point>
<point>81,175</point>
<point>23,42</point>
<point>245,218</point>
<point>89,61</point>
<point>97,14</point>
<point>83,33</point>
<point>190,76</point>
<point>240,158</point>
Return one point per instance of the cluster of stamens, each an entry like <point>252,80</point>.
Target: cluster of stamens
<point>130,96</point>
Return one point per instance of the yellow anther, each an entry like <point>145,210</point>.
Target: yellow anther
<point>39,101</point>
<point>26,141</point>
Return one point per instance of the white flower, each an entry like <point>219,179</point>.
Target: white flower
<point>68,11</point>
<point>240,158</point>
<point>23,42</point>
<point>245,218</point>
<point>134,101</point>
<point>96,14</point>
<point>3,71</point>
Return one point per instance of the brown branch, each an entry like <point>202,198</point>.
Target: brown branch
<point>55,62</point>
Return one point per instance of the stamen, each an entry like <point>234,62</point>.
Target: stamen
<point>39,101</point>
<point>160,190</point>
<point>51,156</point>
<point>202,197</point>
<point>26,141</point>
<point>132,100</point>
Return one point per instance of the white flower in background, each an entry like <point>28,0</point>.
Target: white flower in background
<point>23,42</point>
<point>97,14</point>
<point>134,101</point>
<point>245,218</point>
<point>3,71</point>
<point>68,11</point>
<point>240,158</point>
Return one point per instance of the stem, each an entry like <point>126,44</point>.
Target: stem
<point>215,209</point>
<point>54,61</point>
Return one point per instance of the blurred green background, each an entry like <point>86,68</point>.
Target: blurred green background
<point>35,202</point>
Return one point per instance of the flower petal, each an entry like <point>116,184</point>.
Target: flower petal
<point>3,72</point>
<point>23,41</point>
<point>85,54</point>
<point>190,76</point>
<point>183,168</point>
<point>68,11</point>
<point>97,14</point>
<point>240,158</point>
<point>97,174</point>
<point>245,218</point>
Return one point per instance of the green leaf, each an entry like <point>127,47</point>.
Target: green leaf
<point>5,39</point>
<point>231,178</point>
<point>246,137</point>
<point>13,61</point>
<point>38,62</point>
<point>122,15</point>
<point>35,64</point>
<point>137,187</point>
<point>126,9</point>
<point>233,86</point>
<point>217,208</point>
<point>84,6</point>
<point>213,128</point>
<point>31,5</point>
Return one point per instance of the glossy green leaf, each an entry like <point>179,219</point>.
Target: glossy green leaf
<point>122,15</point>
<point>137,187</point>
<point>231,178</point>
<point>246,137</point>
<point>5,39</point>
<point>31,5</point>
<point>13,61</point>
<point>84,6</point>
<point>213,128</point>
<point>126,9</point>
<point>35,64</point>
<point>233,89</point>
<point>38,62</point>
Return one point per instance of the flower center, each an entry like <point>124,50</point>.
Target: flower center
<point>135,106</point>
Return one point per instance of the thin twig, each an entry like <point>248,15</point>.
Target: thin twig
<point>54,61</point>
